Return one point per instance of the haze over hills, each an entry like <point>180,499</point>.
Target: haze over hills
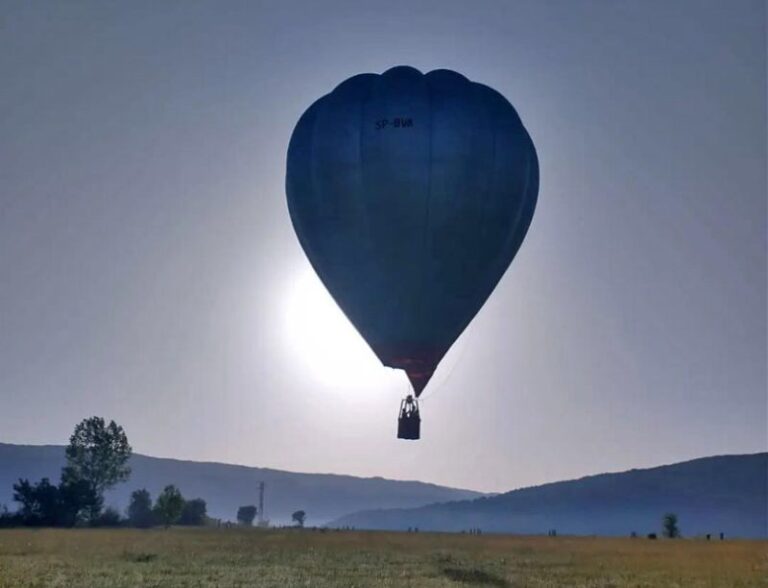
<point>226,487</point>
<point>713,494</point>
<point>710,495</point>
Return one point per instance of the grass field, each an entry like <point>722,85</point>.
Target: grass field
<point>245,557</point>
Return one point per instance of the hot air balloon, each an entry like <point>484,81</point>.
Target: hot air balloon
<point>411,194</point>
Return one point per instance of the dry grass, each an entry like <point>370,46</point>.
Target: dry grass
<point>244,557</point>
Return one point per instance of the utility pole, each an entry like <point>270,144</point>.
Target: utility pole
<point>261,504</point>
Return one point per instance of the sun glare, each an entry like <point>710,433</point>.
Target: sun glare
<point>320,335</point>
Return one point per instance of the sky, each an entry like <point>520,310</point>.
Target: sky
<point>149,271</point>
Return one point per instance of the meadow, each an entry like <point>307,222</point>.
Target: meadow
<point>251,557</point>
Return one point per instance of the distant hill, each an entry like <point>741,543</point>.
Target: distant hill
<point>225,487</point>
<point>726,493</point>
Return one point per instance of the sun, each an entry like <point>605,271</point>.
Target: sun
<point>319,334</point>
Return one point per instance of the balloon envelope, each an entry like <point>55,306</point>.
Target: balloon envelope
<point>411,194</point>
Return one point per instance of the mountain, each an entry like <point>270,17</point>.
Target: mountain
<point>226,487</point>
<point>726,493</point>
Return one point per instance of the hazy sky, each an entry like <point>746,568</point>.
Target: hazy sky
<point>149,271</point>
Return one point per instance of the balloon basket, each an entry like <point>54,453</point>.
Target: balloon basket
<point>409,421</point>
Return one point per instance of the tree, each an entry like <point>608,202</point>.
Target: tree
<point>246,514</point>
<point>194,512</point>
<point>140,509</point>
<point>298,517</point>
<point>78,502</point>
<point>669,523</point>
<point>169,505</point>
<point>98,454</point>
<point>44,504</point>
<point>39,502</point>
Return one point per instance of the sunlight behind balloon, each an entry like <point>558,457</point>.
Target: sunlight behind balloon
<point>322,338</point>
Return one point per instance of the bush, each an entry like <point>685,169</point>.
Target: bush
<point>140,509</point>
<point>109,518</point>
<point>194,512</point>
<point>10,519</point>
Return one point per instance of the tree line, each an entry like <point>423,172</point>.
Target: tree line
<point>247,514</point>
<point>96,460</point>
